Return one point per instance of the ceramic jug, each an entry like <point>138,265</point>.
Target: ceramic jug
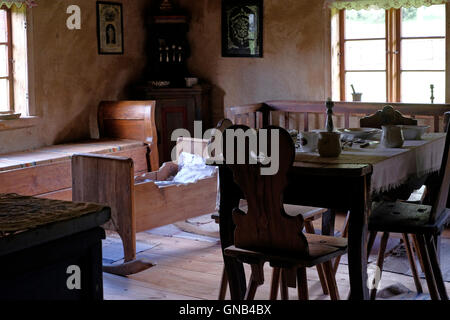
<point>329,144</point>
<point>392,136</point>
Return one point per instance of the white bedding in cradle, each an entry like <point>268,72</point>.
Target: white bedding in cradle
<point>191,168</point>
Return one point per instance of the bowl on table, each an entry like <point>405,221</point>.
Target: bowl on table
<point>413,132</point>
<point>358,133</point>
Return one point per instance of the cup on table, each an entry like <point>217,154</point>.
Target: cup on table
<point>308,141</point>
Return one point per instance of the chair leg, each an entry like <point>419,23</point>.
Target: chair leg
<point>331,280</point>
<point>322,278</point>
<point>437,246</point>
<point>412,262</point>
<point>284,287</point>
<point>429,276</point>
<point>370,242</point>
<point>256,279</point>
<point>223,285</point>
<point>344,234</point>
<point>302,284</point>
<point>309,227</point>
<point>432,252</point>
<point>419,255</point>
<point>380,261</point>
<point>275,283</point>
<point>251,290</point>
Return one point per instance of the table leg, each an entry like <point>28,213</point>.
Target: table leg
<point>357,238</point>
<point>328,219</point>
<point>229,199</point>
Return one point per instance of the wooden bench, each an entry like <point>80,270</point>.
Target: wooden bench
<point>308,115</point>
<point>127,129</point>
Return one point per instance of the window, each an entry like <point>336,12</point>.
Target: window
<point>393,55</point>
<point>14,73</point>
<point>6,75</point>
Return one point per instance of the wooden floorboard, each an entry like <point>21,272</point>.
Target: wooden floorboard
<point>191,269</point>
<point>121,288</point>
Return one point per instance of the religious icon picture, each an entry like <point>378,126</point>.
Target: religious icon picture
<point>242,28</point>
<point>109,28</point>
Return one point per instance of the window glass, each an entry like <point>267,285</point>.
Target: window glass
<point>4,95</point>
<point>362,24</point>
<point>423,54</point>
<point>365,55</point>
<point>372,85</point>
<point>423,21</point>
<point>3,24</point>
<point>3,60</point>
<point>415,87</point>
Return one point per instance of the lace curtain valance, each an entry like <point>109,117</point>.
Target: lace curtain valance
<point>380,4</point>
<point>17,3</point>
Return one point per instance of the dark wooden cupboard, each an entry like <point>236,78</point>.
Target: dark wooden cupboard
<point>177,108</point>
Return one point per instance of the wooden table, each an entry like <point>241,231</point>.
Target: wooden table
<point>340,186</point>
<point>41,239</point>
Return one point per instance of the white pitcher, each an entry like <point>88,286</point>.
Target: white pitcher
<point>392,137</point>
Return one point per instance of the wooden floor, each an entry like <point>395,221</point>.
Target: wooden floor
<point>191,268</point>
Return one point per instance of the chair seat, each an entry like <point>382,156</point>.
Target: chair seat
<point>321,249</point>
<point>402,217</point>
<point>308,213</point>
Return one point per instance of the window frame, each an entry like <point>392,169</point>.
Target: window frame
<point>393,22</point>
<point>9,44</point>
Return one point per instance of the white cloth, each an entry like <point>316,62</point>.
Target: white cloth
<point>391,166</point>
<point>191,169</point>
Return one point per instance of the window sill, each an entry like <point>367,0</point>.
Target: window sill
<point>23,122</point>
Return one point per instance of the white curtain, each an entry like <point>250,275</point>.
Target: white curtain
<point>380,4</point>
<point>18,3</point>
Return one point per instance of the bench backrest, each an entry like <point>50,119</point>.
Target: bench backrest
<point>307,115</point>
<point>133,120</point>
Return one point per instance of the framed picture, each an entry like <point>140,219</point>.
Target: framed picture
<point>109,28</point>
<point>242,28</point>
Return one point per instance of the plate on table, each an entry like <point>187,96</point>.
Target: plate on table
<point>413,132</point>
<point>358,133</point>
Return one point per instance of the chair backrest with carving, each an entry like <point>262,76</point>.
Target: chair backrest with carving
<point>387,116</point>
<point>446,120</point>
<point>265,227</point>
<point>133,120</point>
<point>443,186</point>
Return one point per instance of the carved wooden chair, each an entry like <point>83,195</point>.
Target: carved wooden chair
<point>446,119</point>
<point>387,116</point>
<point>390,116</point>
<point>266,233</point>
<point>424,222</point>
<point>310,214</point>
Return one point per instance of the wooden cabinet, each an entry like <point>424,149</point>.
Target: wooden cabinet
<point>177,108</point>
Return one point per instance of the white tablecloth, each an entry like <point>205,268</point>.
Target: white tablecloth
<point>391,166</point>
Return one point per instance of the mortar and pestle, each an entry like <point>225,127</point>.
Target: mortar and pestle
<point>356,95</point>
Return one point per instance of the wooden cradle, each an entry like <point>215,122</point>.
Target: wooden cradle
<point>137,205</point>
